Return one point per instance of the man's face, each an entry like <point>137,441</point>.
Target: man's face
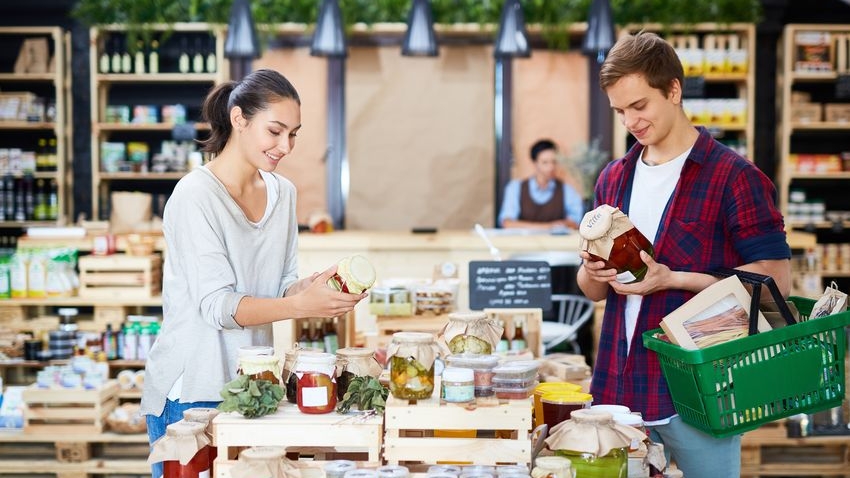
<point>547,161</point>
<point>645,111</point>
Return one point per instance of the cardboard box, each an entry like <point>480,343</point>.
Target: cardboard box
<point>806,112</point>
<point>837,112</point>
<point>813,52</point>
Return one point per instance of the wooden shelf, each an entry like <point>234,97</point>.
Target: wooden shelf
<point>24,225</point>
<point>43,125</point>
<point>157,78</point>
<point>82,302</point>
<point>144,127</point>
<point>824,176</point>
<point>141,176</point>
<point>726,77</point>
<point>24,77</point>
<point>820,126</point>
<point>809,76</point>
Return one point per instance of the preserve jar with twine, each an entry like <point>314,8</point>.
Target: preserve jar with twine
<point>184,451</point>
<point>354,362</point>
<point>608,235</point>
<point>412,356</point>
<point>595,444</point>
<point>265,462</point>
<point>552,467</point>
<point>470,332</point>
<point>204,416</point>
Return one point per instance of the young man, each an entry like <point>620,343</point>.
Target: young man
<point>541,201</point>
<point>703,207</point>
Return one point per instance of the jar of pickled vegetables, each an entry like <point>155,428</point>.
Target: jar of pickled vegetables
<point>316,373</point>
<point>412,357</point>
<point>471,332</point>
<point>608,235</point>
<point>354,362</point>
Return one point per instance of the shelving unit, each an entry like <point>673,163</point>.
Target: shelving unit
<point>138,90</point>
<point>735,83</point>
<point>50,119</point>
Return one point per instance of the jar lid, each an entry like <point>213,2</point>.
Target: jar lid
<point>557,387</point>
<point>457,374</point>
<point>317,358</point>
<point>567,397</point>
<point>200,414</point>
<point>512,470</point>
<point>393,471</point>
<point>184,428</point>
<point>628,419</point>
<point>263,453</point>
<point>361,473</point>
<point>248,350</point>
<point>339,466</point>
<point>611,408</point>
<point>451,469</point>
<point>597,222</point>
<point>355,352</point>
<point>423,337</point>
<point>356,273</point>
<point>467,316</point>
<point>475,361</point>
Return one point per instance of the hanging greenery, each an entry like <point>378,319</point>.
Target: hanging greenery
<point>553,15</point>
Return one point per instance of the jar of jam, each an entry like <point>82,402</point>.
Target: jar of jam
<point>471,332</point>
<point>316,374</point>
<point>204,416</point>
<point>608,235</point>
<point>265,461</point>
<point>184,451</point>
<point>354,274</point>
<point>412,357</point>
<point>260,367</point>
<point>354,362</point>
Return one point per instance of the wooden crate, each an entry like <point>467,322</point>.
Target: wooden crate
<point>533,319</point>
<point>419,431</point>
<point>120,276</point>
<point>286,333</point>
<point>317,437</point>
<point>388,325</point>
<point>768,452</point>
<point>66,411</point>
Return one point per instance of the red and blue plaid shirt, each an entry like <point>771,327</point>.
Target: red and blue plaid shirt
<point>721,214</point>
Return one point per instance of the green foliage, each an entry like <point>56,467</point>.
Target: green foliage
<point>365,392</point>
<point>251,398</point>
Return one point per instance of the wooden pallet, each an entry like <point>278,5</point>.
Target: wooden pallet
<point>120,276</point>
<point>768,452</point>
<point>309,437</point>
<point>421,431</point>
<point>63,411</point>
<point>23,454</point>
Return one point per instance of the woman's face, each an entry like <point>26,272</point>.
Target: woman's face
<point>546,163</point>
<point>270,134</point>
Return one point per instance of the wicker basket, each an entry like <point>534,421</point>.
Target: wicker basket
<point>126,419</point>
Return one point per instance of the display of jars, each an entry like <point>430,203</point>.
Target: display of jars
<point>259,363</point>
<point>316,390</point>
<point>412,357</point>
<point>608,235</point>
<point>354,362</point>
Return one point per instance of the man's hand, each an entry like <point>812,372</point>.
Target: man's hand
<point>658,277</point>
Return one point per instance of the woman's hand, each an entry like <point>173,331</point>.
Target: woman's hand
<point>313,297</point>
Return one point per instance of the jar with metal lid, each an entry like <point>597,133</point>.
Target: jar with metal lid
<point>316,374</point>
<point>184,451</point>
<point>354,362</point>
<point>393,471</point>
<point>260,367</point>
<point>263,461</point>
<point>412,357</point>
<point>608,235</point>
<point>470,332</point>
<point>552,467</point>
<point>337,468</point>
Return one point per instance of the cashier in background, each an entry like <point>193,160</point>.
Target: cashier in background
<point>541,201</point>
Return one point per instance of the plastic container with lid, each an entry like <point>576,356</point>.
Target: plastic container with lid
<point>609,236</point>
<point>514,393</point>
<point>316,374</point>
<point>390,301</point>
<point>183,450</point>
<point>354,362</point>
<point>393,471</point>
<point>412,357</point>
<point>457,385</point>
<point>517,370</point>
<point>559,406</point>
<point>545,387</point>
<point>526,382</point>
<point>482,366</point>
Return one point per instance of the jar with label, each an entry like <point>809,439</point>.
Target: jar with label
<point>260,367</point>
<point>412,357</point>
<point>608,235</point>
<point>316,374</point>
<point>471,332</point>
<point>183,451</point>
<point>457,385</point>
<point>354,362</point>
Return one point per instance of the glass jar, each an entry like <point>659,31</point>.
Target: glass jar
<point>457,385</point>
<point>204,416</point>
<point>552,467</point>
<point>390,301</point>
<point>472,333</point>
<point>355,362</point>
<point>193,434</point>
<point>316,382</point>
<point>559,406</point>
<point>393,471</point>
<point>353,275</point>
<point>260,367</point>
<point>412,357</point>
<point>267,461</point>
<point>338,468</point>
<point>587,465</point>
<point>609,236</point>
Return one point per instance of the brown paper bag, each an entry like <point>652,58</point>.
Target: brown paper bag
<point>33,56</point>
<point>131,211</point>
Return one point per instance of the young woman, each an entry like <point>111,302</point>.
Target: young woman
<point>231,234</point>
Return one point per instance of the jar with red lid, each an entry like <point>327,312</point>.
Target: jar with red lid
<point>183,450</point>
<point>316,373</point>
<point>608,235</point>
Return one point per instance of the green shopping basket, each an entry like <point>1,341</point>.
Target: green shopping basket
<point>738,386</point>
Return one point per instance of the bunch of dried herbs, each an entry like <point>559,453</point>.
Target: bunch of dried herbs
<point>252,398</point>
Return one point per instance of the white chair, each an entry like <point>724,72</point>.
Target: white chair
<point>573,312</point>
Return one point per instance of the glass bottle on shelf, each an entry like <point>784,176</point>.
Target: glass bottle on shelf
<point>41,155</point>
<point>139,58</point>
<point>304,339</point>
<point>105,58</point>
<point>317,337</point>
<point>53,201</point>
<point>504,344</point>
<point>153,57</point>
<point>52,157</point>
<point>212,61</point>
<point>198,57</point>
<point>331,338</point>
<point>115,61</point>
<point>41,207</point>
<point>518,343</point>
<point>183,61</point>
<point>126,59</point>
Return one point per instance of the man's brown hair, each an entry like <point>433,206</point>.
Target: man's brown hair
<point>645,54</point>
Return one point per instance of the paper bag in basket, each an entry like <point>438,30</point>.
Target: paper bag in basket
<point>131,212</point>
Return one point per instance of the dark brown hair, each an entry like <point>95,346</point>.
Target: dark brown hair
<point>252,94</point>
<point>645,54</point>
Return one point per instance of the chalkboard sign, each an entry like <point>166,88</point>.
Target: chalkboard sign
<point>510,284</point>
<point>693,87</point>
<point>842,86</point>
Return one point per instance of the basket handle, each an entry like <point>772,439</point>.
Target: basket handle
<point>757,281</point>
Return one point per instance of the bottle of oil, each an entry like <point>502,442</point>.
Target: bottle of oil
<point>518,342</point>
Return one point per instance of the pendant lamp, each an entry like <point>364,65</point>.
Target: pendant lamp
<point>512,39</point>
<point>242,44</point>
<point>600,31</point>
<point>420,39</point>
<point>329,37</point>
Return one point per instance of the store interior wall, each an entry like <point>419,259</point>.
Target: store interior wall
<point>56,12</point>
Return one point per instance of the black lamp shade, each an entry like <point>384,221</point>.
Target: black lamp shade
<point>242,40</point>
<point>600,30</point>
<point>512,40</point>
<point>420,40</point>
<point>329,37</point>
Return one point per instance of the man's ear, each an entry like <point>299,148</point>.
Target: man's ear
<point>675,94</point>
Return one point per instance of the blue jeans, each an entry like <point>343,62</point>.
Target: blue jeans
<point>698,454</point>
<point>172,413</point>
